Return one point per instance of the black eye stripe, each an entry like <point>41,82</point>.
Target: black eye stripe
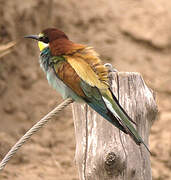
<point>44,39</point>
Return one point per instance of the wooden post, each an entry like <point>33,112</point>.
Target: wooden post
<point>102,151</point>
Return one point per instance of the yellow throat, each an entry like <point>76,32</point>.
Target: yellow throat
<point>42,45</point>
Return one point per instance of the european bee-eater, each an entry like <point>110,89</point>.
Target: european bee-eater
<point>76,71</point>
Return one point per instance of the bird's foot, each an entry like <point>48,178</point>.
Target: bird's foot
<point>110,67</point>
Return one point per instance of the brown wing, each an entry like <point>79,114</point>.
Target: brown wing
<point>68,75</point>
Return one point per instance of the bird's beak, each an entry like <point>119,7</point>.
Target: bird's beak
<point>36,37</point>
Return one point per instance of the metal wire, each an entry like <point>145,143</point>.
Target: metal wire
<point>34,129</point>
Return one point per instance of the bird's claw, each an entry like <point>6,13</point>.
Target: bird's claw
<point>110,67</point>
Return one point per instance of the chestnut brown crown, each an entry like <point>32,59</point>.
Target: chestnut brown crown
<point>59,43</point>
<point>52,34</point>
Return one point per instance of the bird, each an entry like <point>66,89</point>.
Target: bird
<point>76,71</point>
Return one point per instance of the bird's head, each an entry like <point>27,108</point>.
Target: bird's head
<point>57,41</point>
<point>47,36</point>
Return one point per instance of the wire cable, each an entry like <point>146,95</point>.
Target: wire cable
<point>33,130</point>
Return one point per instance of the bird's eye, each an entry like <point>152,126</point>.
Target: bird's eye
<point>44,39</point>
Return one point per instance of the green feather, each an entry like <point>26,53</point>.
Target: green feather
<point>124,119</point>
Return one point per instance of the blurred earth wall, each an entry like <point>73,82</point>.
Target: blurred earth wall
<point>132,35</point>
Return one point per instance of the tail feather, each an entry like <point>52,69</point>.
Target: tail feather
<point>115,99</point>
<point>107,115</point>
<point>123,118</point>
<point>137,139</point>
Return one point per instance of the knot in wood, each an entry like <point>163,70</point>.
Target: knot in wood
<point>110,159</point>
<point>110,163</point>
<point>113,164</point>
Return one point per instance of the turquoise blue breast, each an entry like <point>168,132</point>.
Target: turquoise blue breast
<point>45,59</point>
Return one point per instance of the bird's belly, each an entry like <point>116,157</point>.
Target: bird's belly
<point>59,86</point>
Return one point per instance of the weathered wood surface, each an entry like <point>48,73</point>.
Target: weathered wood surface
<point>102,151</point>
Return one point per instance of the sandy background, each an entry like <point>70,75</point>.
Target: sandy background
<point>132,35</point>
